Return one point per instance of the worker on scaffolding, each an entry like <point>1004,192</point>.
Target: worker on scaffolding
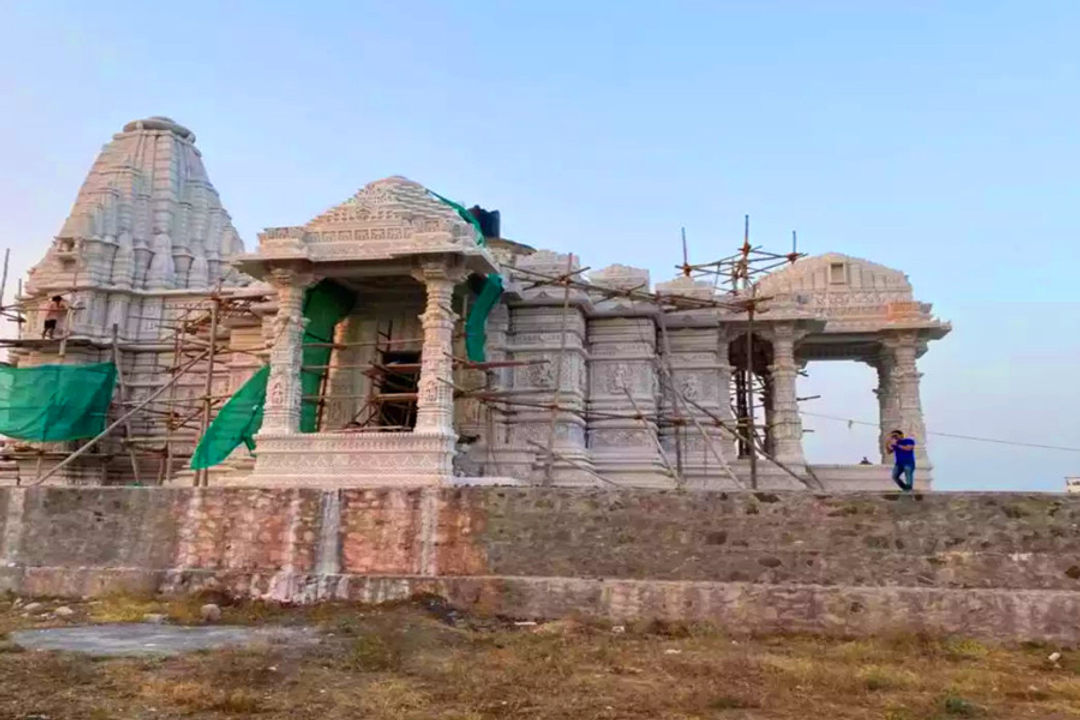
<point>55,310</point>
<point>903,450</point>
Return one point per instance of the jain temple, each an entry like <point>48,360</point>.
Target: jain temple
<point>397,339</point>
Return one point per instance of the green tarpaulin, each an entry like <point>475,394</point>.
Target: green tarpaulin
<point>51,403</point>
<point>324,307</point>
<point>241,417</point>
<point>475,336</point>
<point>464,215</point>
<point>237,422</point>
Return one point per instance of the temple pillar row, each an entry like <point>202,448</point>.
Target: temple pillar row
<point>281,414</point>
<point>435,402</point>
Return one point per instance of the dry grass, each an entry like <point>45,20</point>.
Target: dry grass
<point>400,663</point>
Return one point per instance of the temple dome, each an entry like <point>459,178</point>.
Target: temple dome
<point>392,202</point>
<point>160,122</point>
<point>834,272</point>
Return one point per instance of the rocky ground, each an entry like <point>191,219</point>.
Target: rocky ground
<point>424,660</point>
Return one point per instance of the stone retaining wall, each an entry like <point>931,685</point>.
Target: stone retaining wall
<point>1003,565</point>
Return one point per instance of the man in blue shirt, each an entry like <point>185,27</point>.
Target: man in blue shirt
<point>903,450</point>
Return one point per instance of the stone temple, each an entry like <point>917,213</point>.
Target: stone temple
<point>609,379</point>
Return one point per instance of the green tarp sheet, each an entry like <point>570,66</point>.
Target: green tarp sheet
<point>52,403</point>
<point>241,417</point>
<point>475,336</point>
<point>464,215</point>
<point>237,422</point>
<point>324,307</point>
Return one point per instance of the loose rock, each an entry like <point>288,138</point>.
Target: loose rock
<point>210,612</point>
<point>63,611</point>
<point>33,607</point>
<point>154,618</point>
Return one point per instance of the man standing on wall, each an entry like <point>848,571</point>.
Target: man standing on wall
<point>903,450</point>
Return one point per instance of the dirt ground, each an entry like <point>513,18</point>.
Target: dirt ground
<point>423,660</point>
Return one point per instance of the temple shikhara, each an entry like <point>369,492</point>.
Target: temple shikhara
<point>398,339</point>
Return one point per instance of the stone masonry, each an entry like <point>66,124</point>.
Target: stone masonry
<point>1005,566</point>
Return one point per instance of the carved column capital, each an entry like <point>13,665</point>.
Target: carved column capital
<point>283,277</point>
<point>434,269</point>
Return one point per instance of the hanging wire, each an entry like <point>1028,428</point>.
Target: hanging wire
<point>974,438</point>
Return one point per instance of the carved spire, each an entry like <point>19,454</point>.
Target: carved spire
<point>146,217</point>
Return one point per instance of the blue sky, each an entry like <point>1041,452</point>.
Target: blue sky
<point>938,138</point>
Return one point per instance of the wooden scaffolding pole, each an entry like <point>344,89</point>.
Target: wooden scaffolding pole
<point>202,476</point>
<point>559,369</point>
<point>123,394</point>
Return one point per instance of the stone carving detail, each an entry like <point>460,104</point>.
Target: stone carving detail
<point>640,439</point>
<point>618,379</point>
<point>283,399</point>
<point>324,457</point>
<point>435,405</point>
<point>689,386</point>
<point>541,375</point>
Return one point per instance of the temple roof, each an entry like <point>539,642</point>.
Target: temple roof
<point>851,294</point>
<point>389,219</point>
<point>392,201</point>
<point>839,273</point>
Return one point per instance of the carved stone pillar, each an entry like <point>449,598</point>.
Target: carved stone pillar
<point>547,336</point>
<point>786,425</point>
<point>281,415</point>
<point>888,402</point>
<point>435,404</point>
<point>622,369</point>
<point>904,348</point>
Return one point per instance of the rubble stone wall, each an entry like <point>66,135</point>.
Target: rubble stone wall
<point>1000,564</point>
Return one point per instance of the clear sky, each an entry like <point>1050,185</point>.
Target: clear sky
<point>940,138</point>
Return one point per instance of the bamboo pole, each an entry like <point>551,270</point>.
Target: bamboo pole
<point>3,280</point>
<point>666,371</point>
<point>558,370</point>
<point>656,440</point>
<point>574,464</point>
<point>202,476</point>
<point>177,354</point>
<point>123,394</point>
<point>720,423</point>
<point>710,444</point>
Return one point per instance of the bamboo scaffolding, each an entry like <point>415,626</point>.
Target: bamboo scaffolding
<point>194,327</point>
<point>565,280</point>
<point>202,477</point>
<point>123,393</point>
<point>112,426</point>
